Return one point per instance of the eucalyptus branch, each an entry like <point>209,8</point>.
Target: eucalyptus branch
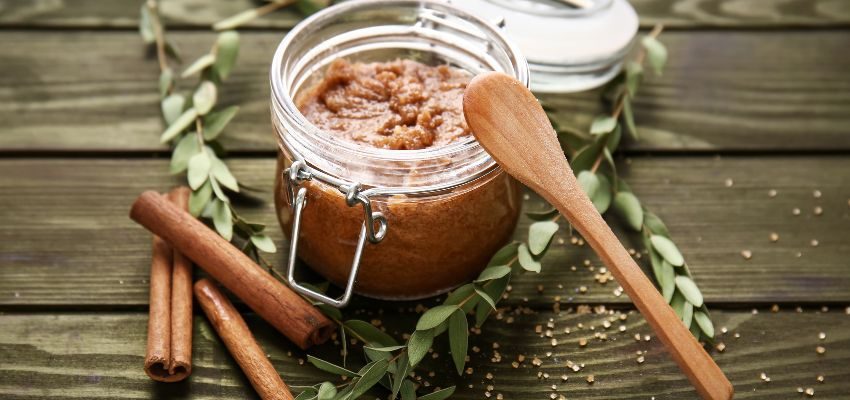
<point>597,174</point>
<point>392,363</point>
<point>193,127</point>
<point>159,34</point>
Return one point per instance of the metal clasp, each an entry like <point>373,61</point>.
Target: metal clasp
<point>296,174</point>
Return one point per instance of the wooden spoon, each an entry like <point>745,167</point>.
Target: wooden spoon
<point>512,126</point>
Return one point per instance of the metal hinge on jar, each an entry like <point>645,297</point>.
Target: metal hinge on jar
<point>294,176</point>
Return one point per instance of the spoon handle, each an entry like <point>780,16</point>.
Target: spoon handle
<point>700,368</point>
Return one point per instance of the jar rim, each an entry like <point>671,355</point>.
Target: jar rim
<point>283,96</point>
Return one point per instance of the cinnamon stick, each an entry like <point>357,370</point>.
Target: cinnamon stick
<point>158,356</point>
<point>169,349</point>
<point>233,331</point>
<point>181,299</point>
<point>277,304</point>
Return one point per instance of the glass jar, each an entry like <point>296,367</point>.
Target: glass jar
<point>389,224</point>
<point>569,48</point>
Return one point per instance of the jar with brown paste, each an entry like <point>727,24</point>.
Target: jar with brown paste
<point>381,187</point>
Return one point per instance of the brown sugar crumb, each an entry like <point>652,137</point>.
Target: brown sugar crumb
<point>398,105</point>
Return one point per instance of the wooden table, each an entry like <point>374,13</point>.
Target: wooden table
<point>756,93</point>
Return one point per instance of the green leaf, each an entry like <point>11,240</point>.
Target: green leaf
<point>171,51</point>
<point>667,280</point>
<point>223,175</point>
<point>418,345</point>
<point>402,369</point>
<point>439,394</point>
<point>186,148</point>
<point>166,82</point>
<point>334,313</point>
<point>199,169</point>
<point>609,158</point>
<point>172,108</point>
<point>603,124</point>
<point>589,183</point>
<point>205,61</point>
<point>214,122</point>
<point>458,339</point>
<point>695,330</point>
<point>613,141</point>
<point>227,49</point>
<point>668,250</point>
<point>628,207</point>
<point>460,294</point>
<point>223,219</point>
<point>505,255</point>
<point>435,316</point>
<point>486,297</point>
<point>526,260</point>
<point>180,124</point>
<point>655,225</point>
<point>236,20</point>
<point>602,198</point>
<point>585,157</point>
<point>658,270</point>
<point>656,53</point>
<point>494,289</point>
<point>704,323</point>
<point>327,391</point>
<point>344,393</point>
<point>374,354</point>
<point>307,394</point>
<point>369,333</point>
<point>690,290</point>
<point>370,374</point>
<point>629,119</point>
<point>264,243</point>
<point>386,349</point>
<point>542,215</point>
<point>540,234</point>
<point>219,193</point>
<point>146,28</point>
<point>329,367</point>
<point>493,272</point>
<point>205,97</point>
<point>408,390</point>
<point>678,304</point>
<point>687,313</point>
<point>634,75</point>
<point>198,199</point>
<point>208,210</point>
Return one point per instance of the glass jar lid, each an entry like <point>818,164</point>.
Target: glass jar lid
<point>571,45</point>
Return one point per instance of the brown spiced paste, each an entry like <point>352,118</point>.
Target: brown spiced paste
<point>433,243</point>
<point>398,105</point>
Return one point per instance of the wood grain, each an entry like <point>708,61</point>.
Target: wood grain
<point>754,91</point>
<point>200,14</point>
<point>97,356</point>
<point>69,242</point>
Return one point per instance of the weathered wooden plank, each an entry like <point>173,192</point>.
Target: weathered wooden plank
<point>741,90</point>
<point>100,356</point>
<point>68,241</point>
<point>200,14</point>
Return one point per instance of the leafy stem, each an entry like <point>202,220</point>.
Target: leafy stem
<point>608,191</point>
<point>159,34</point>
<point>194,125</point>
<point>480,298</point>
